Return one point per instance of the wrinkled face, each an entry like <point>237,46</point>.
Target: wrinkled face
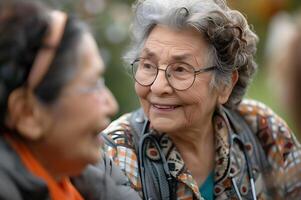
<point>81,112</point>
<point>170,110</point>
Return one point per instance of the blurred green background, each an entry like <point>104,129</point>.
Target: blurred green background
<point>110,21</point>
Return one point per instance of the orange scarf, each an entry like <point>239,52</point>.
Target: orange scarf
<point>58,190</point>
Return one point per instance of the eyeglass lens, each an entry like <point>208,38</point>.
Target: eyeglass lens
<point>179,75</point>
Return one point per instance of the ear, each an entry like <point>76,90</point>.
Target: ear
<point>226,91</point>
<point>24,114</point>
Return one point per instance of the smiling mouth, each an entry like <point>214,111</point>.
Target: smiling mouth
<point>165,107</point>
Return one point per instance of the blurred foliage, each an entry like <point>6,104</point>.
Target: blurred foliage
<point>259,14</point>
<point>110,21</point>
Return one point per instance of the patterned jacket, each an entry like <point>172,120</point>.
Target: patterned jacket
<point>280,159</point>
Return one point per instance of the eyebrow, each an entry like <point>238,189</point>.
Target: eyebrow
<point>149,53</point>
<point>180,57</point>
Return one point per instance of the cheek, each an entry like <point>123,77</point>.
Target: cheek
<point>91,104</point>
<point>141,91</point>
<point>200,93</point>
<point>199,102</point>
<point>193,97</point>
<point>95,107</point>
<point>82,112</point>
<point>193,105</point>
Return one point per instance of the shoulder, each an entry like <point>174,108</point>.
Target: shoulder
<point>127,129</point>
<point>8,185</point>
<point>16,181</point>
<point>120,131</point>
<point>8,188</point>
<point>104,180</point>
<point>276,138</point>
<point>282,149</point>
<point>121,147</point>
<point>259,116</point>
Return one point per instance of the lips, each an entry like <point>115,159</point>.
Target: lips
<point>165,107</point>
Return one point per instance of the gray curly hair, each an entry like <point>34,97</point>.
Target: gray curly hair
<point>232,44</point>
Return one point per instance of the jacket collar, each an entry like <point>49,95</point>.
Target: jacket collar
<point>27,183</point>
<point>176,164</point>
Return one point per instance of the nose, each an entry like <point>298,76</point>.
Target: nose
<point>161,84</point>
<point>110,101</point>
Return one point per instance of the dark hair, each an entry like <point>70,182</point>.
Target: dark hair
<point>23,26</point>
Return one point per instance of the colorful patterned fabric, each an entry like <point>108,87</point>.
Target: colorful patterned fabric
<point>281,151</point>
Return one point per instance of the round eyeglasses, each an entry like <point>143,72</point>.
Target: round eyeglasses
<point>180,76</point>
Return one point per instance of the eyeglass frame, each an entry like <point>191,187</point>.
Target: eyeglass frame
<point>97,87</point>
<point>195,72</point>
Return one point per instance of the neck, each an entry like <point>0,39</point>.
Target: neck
<point>56,167</point>
<point>197,148</point>
<point>195,139</point>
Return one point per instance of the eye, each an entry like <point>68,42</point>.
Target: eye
<point>147,66</point>
<point>180,71</point>
<point>95,85</point>
<point>181,68</point>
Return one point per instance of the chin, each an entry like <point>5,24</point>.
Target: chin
<point>164,126</point>
<point>95,157</point>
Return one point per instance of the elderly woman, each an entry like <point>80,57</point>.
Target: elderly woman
<point>195,138</point>
<point>53,105</point>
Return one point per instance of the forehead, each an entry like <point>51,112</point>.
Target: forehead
<point>89,56</point>
<point>176,43</point>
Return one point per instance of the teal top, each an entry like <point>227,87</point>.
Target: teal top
<point>206,188</point>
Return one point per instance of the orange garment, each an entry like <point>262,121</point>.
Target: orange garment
<point>59,190</point>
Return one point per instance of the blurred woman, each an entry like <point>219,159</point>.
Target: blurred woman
<point>53,103</point>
